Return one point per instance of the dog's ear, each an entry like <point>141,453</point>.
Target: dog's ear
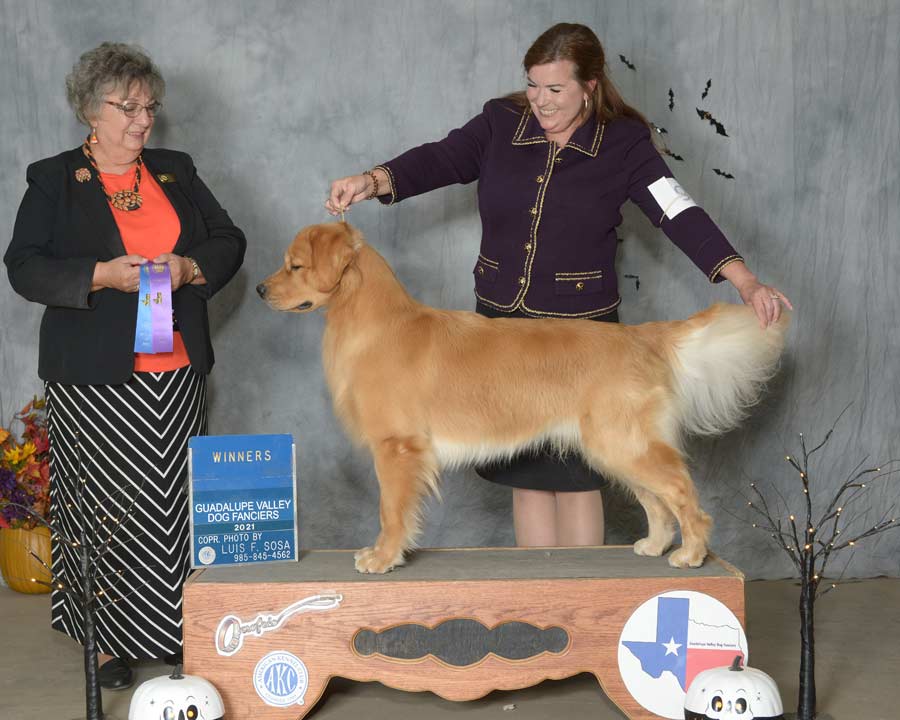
<point>332,251</point>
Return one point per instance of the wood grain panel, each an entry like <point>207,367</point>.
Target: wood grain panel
<point>591,609</point>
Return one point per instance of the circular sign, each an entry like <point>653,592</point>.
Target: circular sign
<point>671,638</point>
<point>281,679</point>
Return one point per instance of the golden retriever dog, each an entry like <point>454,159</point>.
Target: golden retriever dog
<point>424,389</point>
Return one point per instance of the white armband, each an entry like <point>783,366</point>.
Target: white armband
<point>670,197</point>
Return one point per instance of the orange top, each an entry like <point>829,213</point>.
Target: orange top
<point>151,230</point>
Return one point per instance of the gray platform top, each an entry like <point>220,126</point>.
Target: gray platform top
<point>470,564</point>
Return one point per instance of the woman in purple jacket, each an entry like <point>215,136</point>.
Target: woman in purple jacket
<point>554,165</point>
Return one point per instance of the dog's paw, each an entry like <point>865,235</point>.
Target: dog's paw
<point>651,547</point>
<point>684,558</point>
<point>368,560</point>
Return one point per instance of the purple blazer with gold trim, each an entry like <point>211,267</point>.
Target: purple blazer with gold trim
<point>549,214</point>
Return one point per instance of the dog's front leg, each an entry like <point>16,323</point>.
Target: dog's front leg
<point>406,469</point>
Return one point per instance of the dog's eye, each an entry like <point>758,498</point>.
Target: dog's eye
<point>296,267</point>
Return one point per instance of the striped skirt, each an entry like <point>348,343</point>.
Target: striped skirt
<point>133,445</point>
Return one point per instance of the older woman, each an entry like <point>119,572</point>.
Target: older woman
<point>90,219</point>
<point>554,165</point>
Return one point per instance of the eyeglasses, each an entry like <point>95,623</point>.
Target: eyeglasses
<point>133,109</point>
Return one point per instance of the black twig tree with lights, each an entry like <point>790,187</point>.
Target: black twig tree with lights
<point>811,542</point>
<point>92,591</point>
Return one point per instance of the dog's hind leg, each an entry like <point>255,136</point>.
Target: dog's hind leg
<point>406,470</point>
<point>661,471</point>
<point>658,470</point>
<point>660,524</point>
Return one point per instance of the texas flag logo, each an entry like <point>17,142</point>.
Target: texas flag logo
<point>671,638</point>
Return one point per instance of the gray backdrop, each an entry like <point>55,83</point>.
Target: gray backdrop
<point>274,99</point>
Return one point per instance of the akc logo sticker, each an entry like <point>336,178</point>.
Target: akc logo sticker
<point>281,679</point>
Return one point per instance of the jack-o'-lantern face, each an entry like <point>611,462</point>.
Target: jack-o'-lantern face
<point>177,697</point>
<point>191,712</point>
<point>733,693</point>
<point>729,704</point>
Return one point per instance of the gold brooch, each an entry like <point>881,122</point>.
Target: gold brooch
<point>82,174</point>
<point>166,178</point>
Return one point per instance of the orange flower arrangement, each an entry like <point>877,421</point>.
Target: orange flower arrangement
<point>25,469</point>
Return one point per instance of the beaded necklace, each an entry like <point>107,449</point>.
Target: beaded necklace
<point>126,200</point>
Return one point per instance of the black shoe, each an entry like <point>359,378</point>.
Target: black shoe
<point>115,674</point>
<point>174,659</point>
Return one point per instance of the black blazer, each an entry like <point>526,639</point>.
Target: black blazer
<point>64,227</point>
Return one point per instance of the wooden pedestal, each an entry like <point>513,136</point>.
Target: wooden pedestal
<point>459,623</point>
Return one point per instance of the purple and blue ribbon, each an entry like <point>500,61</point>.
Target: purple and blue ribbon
<point>154,317</point>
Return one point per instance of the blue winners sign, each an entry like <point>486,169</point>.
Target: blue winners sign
<point>242,490</point>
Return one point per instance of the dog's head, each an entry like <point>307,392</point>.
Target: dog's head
<point>313,268</point>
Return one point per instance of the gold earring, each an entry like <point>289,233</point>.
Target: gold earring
<point>585,102</point>
<point>94,139</point>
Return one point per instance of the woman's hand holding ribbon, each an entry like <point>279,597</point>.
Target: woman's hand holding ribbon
<point>122,273</point>
<point>180,268</point>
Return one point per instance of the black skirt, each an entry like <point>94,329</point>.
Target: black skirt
<point>543,468</point>
<point>133,438</point>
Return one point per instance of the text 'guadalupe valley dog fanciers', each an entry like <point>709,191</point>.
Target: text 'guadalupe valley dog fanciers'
<point>424,388</point>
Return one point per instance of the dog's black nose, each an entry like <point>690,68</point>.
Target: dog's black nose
<point>261,290</point>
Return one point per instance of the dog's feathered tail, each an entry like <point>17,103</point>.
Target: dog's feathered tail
<point>723,360</point>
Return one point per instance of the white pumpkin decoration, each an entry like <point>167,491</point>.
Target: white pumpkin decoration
<point>733,693</point>
<point>176,697</point>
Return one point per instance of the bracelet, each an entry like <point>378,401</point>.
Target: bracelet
<point>195,269</point>
<point>374,192</point>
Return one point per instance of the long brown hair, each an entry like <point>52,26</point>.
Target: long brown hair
<point>578,44</point>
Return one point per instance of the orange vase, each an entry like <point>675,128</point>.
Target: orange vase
<point>16,563</point>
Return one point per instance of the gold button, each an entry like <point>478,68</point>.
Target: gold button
<point>579,286</point>
<point>521,281</point>
<point>540,178</point>
<point>527,247</point>
<point>481,270</point>
<point>533,211</point>
<point>558,160</point>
